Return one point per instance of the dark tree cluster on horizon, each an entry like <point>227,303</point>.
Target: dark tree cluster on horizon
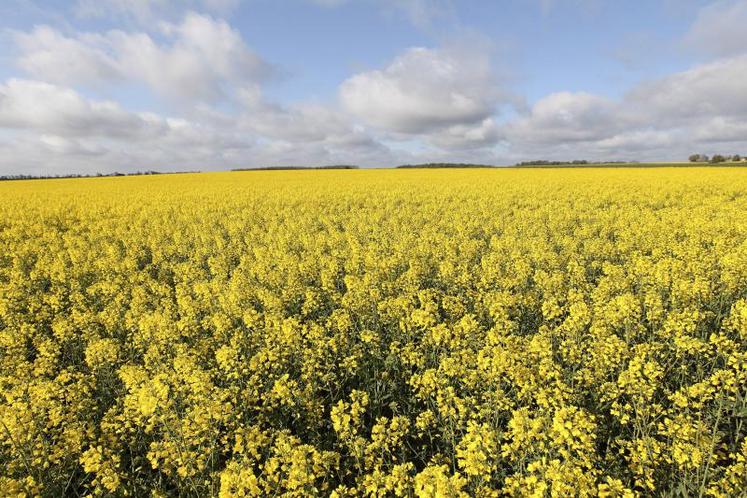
<point>716,158</point>
<point>575,162</point>
<point>77,175</point>
<point>282,168</point>
<point>542,162</point>
<point>444,165</point>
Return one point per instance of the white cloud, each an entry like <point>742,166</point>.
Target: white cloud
<point>699,109</point>
<point>720,129</point>
<point>720,29</point>
<point>297,123</point>
<point>62,129</point>
<point>462,137</point>
<point>46,53</point>
<point>205,55</point>
<point>48,129</point>
<point>423,90</point>
<point>312,127</point>
<point>59,111</point>
<point>707,90</point>
<point>566,117</point>
<point>202,58</point>
<point>427,104</point>
<point>638,140</point>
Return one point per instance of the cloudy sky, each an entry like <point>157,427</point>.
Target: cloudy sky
<point>124,85</point>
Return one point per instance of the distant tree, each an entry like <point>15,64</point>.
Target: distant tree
<point>444,165</point>
<point>736,158</point>
<point>718,158</point>
<point>544,162</point>
<point>698,158</point>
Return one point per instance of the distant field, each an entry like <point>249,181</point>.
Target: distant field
<point>429,333</point>
<point>640,165</point>
<point>405,166</point>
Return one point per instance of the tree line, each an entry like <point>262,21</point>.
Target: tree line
<point>78,175</point>
<point>444,165</point>
<point>716,158</point>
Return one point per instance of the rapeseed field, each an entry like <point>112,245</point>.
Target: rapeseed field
<point>425,333</point>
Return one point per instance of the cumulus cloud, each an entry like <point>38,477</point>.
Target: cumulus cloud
<point>426,104</point>
<point>316,129</point>
<point>50,109</point>
<point>57,128</point>
<point>720,129</point>
<point>464,137</point>
<point>48,129</point>
<point>45,154</point>
<point>48,54</point>
<point>201,59</point>
<point>566,117</point>
<point>303,122</point>
<point>423,90</point>
<point>719,29</point>
<point>706,90</point>
<point>198,63</point>
<point>698,109</point>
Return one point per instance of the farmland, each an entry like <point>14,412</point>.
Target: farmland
<point>429,333</point>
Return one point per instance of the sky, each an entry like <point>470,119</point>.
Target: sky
<point>97,86</point>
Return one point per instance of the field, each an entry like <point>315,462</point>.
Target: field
<point>429,333</point>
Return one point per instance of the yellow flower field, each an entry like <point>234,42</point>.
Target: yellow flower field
<point>428,333</point>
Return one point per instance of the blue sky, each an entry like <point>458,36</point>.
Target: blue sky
<point>104,85</point>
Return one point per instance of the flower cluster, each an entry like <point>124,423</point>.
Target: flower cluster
<point>375,333</point>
